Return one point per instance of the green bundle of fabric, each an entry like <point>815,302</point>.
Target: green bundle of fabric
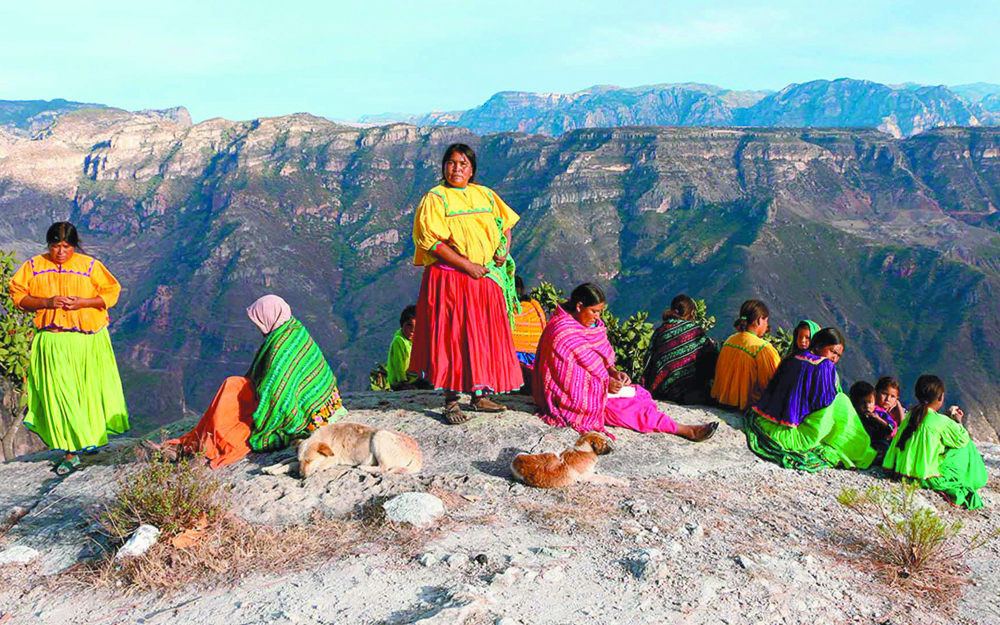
<point>503,275</point>
<point>812,460</point>
<point>293,383</point>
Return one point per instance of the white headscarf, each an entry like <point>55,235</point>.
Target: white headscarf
<point>269,313</point>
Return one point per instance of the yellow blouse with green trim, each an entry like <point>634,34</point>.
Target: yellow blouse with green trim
<point>80,276</point>
<point>464,219</point>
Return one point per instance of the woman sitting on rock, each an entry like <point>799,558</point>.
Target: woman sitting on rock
<point>288,391</point>
<point>575,372</point>
<point>803,420</point>
<point>936,451</point>
<point>746,361</point>
<point>681,357</point>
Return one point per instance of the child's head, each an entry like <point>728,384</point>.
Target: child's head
<point>887,392</point>
<point>407,321</point>
<point>929,391</point>
<point>803,334</point>
<point>522,294</point>
<point>753,317</point>
<point>681,307</point>
<point>863,397</point>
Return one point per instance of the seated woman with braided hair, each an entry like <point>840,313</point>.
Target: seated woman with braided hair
<point>803,420</point>
<point>936,451</point>
<point>746,361</point>
<point>576,383</point>
<point>288,392</point>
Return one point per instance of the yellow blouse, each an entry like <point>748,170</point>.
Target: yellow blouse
<point>746,364</point>
<point>80,276</point>
<point>464,219</point>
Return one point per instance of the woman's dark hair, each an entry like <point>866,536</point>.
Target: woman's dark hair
<point>63,231</point>
<point>929,389</point>
<point>466,151</point>
<point>885,383</point>
<point>681,307</point>
<point>522,294</point>
<point>410,312</point>
<point>827,337</point>
<point>860,392</point>
<point>588,294</point>
<point>750,312</point>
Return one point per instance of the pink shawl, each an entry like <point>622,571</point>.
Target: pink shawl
<point>268,313</point>
<point>571,373</point>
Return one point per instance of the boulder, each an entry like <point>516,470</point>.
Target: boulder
<point>414,508</point>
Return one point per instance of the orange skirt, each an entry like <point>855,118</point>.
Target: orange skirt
<point>224,429</point>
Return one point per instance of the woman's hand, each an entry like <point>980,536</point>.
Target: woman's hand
<point>956,414</point>
<point>76,303</point>
<point>59,301</point>
<point>619,376</point>
<point>614,385</point>
<point>499,258</point>
<point>474,270</point>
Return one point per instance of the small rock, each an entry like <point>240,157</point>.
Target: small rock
<point>430,559</point>
<point>808,560</point>
<point>555,574</point>
<point>482,559</point>
<point>414,508</point>
<point>675,547</point>
<point>745,561</point>
<point>530,575</point>
<point>18,554</point>
<point>695,530</point>
<point>142,539</point>
<point>505,620</point>
<point>507,578</point>
<point>636,507</point>
<point>645,563</point>
<point>458,561</point>
<point>554,552</point>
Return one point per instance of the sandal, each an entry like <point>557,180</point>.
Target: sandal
<point>712,427</point>
<point>453,413</point>
<point>67,466</point>
<point>484,404</point>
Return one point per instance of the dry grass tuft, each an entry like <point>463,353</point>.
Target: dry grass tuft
<point>909,547</point>
<point>578,507</point>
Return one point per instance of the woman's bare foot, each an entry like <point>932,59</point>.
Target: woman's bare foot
<point>697,433</point>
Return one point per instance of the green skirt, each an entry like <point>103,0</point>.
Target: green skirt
<point>760,443</point>
<point>963,472</point>
<point>75,396</point>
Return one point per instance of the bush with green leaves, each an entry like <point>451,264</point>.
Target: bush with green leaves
<point>701,315</point>
<point>630,339</point>
<point>780,339</point>
<point>16,328</point>
<point>914,545</point>
<point>171,496</point>
<point>548,296</point>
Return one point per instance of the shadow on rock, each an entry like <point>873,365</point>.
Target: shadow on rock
<point>501,466</point>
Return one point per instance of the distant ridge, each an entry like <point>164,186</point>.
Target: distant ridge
<point>29,117</point>
<point>898,110</point>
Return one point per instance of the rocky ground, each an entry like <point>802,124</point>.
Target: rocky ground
<point>703,533</point>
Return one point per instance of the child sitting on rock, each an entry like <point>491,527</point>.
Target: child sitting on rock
<point>879,424</point>
<point>399,354</point>
<point>887,398</point>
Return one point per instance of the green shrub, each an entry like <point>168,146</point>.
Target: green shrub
<point>701,315</point>
<point>378,378</point>
<point>630,340</point>
<point>171,496</point>
<point>914,544</point>
<point>548,296</point>
<point>16,328</point>
<point>780,339</point>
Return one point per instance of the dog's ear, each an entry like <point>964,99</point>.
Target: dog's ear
<point>324,449</point>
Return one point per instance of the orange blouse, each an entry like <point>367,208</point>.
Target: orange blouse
<point>80,276</point>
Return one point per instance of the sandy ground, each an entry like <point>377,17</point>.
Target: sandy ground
<point>703,533</point>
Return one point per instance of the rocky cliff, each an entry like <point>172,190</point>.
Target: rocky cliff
<point>892,240</point>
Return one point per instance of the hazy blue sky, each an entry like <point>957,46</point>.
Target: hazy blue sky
<point>244,59</point>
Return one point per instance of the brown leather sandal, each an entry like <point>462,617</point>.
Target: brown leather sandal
<point>712,427</point>
<point>453,413</point>
<point>484,404</point>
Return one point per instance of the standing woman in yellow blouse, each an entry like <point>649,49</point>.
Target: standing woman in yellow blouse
<point>467,298</point>
<point>74,392</point>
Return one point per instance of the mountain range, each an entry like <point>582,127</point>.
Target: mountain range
<point>893,240</point>
<point>901,110</point>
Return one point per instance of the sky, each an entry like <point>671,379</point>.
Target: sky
<point>341,60</point>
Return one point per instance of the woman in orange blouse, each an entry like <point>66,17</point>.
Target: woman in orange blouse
<point>463,342</point>
<point>75,396</point>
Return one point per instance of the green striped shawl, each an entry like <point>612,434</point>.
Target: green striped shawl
<point>293,383</point>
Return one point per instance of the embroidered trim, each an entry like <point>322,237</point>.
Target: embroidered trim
<point>468,212</point>
<point>435,246</point>
<point>55,326</point>
<point>745,350</point>
<point>90,269</point>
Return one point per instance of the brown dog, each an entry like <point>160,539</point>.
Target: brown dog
<point>571,466</point>
<point>353,445</point>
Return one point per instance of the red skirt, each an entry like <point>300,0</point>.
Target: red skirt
<point>463,341</point>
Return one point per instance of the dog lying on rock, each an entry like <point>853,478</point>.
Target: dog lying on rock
<point>354,445</point>
<point>571,466</point>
